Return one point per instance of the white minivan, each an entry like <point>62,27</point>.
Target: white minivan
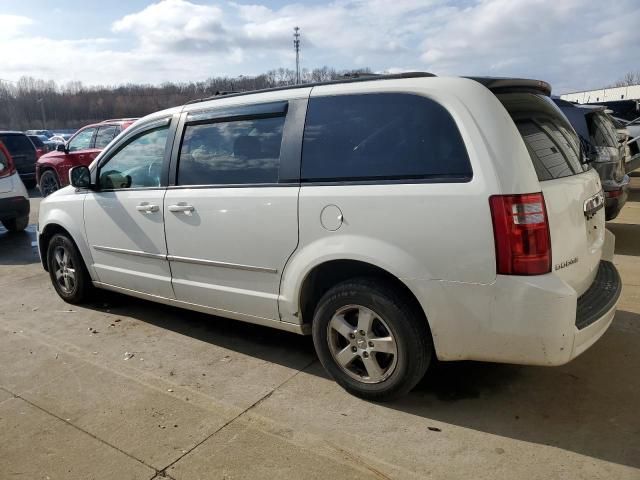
<point>393,218</point>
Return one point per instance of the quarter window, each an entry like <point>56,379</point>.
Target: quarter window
<point>231,152</point>
<point>381,136</point>
<point>82,140</point>
<point>138,163</point>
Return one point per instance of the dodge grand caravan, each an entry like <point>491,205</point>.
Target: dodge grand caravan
<point>393,219</point>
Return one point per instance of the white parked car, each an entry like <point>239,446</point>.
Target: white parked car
<point>392,218</point>
<point>14,199</point>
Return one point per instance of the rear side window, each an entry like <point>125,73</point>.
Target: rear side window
<point>553,145</point>
<point>231,152</point>
<point>105,135</point>
<point>17,144</point>
<point>385,136</point>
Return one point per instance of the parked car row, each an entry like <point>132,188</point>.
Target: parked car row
<point>52,169</point>
<point>604,146</point>
<point>395,219</point>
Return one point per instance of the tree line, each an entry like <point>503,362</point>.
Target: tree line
<point>31,103</point>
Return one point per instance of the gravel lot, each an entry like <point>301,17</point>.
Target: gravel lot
<point>126,389</point>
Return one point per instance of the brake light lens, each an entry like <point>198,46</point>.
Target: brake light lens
<point>521,234</point>
<point>7,167</point>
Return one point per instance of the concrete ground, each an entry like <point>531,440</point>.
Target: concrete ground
<point>126,389</point>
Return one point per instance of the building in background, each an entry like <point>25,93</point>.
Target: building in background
<point>623,101</point>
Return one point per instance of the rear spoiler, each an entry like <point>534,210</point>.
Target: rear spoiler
<point>507,85</point>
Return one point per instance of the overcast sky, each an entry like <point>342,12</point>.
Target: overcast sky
<point>573,44</point>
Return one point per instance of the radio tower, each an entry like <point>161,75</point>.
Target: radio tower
<point>296,45</point>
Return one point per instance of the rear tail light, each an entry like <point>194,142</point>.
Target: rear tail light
<point>40,152</point>
<point>613,193</point>
<point>7,167</point>
<point>521,234</point>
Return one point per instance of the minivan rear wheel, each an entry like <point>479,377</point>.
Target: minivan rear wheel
<point>371,340</point>
<point>67,270</point>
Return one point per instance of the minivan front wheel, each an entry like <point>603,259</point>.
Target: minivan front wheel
<point>67,271</point>
<point>371,340</point>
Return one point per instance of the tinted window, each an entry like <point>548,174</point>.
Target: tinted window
<point>138,163</point>
<point>36,141</point>
<point>236,152</point>
<point>381,136</point>
<point>17,144</point>
<point>82,140</point>
<point>553,145</point>
<point>105,135</point>
<point>602,131</point>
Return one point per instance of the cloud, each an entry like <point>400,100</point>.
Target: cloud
<point>12,25</point>
<point>571,43</point>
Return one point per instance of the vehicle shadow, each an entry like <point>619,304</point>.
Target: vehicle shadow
<point>18,248</point>
<point>589,406</point>
<point>627,235</point>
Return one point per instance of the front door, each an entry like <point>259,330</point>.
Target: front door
<point>124,218</point>
<point>231,221</point>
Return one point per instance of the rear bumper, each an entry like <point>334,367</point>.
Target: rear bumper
<point>537,320</point>
<point>13,207</point>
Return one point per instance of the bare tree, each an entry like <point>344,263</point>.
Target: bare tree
<point>630,78</point>
<point>73,104</point>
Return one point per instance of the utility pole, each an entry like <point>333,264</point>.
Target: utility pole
<point>44,118</point>
<point>296,45</point>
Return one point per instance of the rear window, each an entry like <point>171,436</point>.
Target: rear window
<point>553,145</point>
<point>602,131</point>
<point>36,141</point>
<point>17,144</point>
<point>383,136</point>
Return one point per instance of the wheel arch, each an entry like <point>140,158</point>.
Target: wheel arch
<point>325,275</point>
<point>58,225</point>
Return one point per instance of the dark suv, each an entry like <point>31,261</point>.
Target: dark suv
<point>53,168</point>
<point>599,138</point>
<point>24,155</point>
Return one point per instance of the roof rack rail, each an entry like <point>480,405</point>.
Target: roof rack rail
<point>119,120</point>
<point>347,78</point>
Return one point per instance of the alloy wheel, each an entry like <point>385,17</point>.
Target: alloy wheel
<point>48,184</point>
<point>65,271</point>
<point>362,344</point>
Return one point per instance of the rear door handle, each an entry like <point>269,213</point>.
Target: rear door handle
<point>181,207</point>
<point>145,207</point>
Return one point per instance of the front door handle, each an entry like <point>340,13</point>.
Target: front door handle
<point>146,207</point>
<point>181,207</point>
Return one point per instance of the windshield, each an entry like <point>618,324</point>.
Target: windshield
<point>552,143</point>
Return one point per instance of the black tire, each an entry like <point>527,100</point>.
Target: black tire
<point>17,224</point>
<point>49,183</point>
<point>73,291</point>
<point>393,312</point>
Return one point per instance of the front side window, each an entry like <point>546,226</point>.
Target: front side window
<point>105,135</point>
<point>384,136</point>
<point>138,163</point>
<point>231,152</point>
<point>82,140</point>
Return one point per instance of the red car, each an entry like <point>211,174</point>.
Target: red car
<point>52,169</point>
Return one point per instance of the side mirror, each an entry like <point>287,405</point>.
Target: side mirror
<point>61,147</point>
<point>80,177</point>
